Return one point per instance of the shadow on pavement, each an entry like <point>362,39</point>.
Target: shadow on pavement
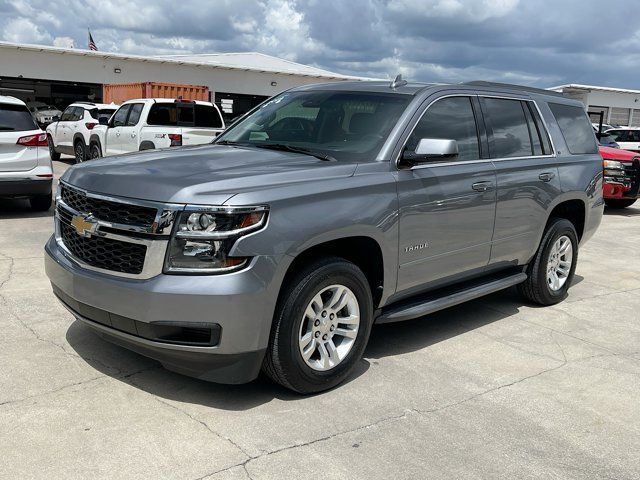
<point>20,208</point>
<point>623,212</point>
<point>386,340</point>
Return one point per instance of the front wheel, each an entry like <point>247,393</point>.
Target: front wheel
<point>55,156</point>
<point>321,326</point>
<point>616,203</point>
<point>94,151</point>
<point>550,273</point>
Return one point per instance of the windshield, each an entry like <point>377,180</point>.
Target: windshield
<point>341,125</point>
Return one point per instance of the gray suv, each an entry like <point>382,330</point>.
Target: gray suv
<point>326,209</point>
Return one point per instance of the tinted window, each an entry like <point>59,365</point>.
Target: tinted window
<point>67,115</point>
<point>451,119</point>
<point>78,114</point>
<point>163,114</point>
<point>618,135</point>
<point>633,136</point>
<point>16,118</point>
<point>207,116</point>
<point>510,130</point>
<point>185,114</point>
<point>575,127</point>
<point>98,113</point>
<point>134,114</point>
<point>120,116</point>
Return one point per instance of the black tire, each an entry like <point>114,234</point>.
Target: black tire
<point>40,203</point>
<point>147,146</point>
<point>80,151</point>
<point>536,288</point>
<point>622,203</point>
<point>55,156</point>
<point>94,151</point>
<point>283,361</point>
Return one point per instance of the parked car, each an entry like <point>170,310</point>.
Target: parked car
<point>43,113</point>
<point>325,210</point>
<point>627,138</point>
<point>621,177</point>
<point>150,123</point>
<point>607,141</point>
<point>25,167</point>
<point>70,133</point>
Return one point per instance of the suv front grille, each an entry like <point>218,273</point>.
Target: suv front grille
<point>106,210</point>
<point>105,253</point>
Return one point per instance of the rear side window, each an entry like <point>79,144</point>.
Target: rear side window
<point>207,116</point>
<point>185,114</point>
<point>510,128</point>
<point>163,114</point>
<point>16,118</point>
<point>134,114</point>
<point>575,127</point>
<point>67,115</point>
<point>77,114</point>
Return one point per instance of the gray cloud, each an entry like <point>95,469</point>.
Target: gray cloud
<point>540,42</point>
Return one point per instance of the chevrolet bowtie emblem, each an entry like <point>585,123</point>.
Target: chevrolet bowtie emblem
<point>85,226</point>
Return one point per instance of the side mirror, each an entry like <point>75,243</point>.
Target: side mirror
<point>103,120</point>
<point>55,118</point>
<point>430,149</point>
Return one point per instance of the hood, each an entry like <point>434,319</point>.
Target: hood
<point>617,154</point>
<point>203,174</point>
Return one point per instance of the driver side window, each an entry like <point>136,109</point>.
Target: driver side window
<point>450,119</point>
<point>120,117</point>
<point>67,114</point>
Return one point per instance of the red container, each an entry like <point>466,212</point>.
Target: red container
<point>121,92</point>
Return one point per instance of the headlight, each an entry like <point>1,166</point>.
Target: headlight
<point>202,239</point>
<point>613,168</point>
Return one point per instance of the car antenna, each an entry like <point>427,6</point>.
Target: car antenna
<point>398,82</point>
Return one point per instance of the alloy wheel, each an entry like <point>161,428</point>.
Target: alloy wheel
<point>559,263</point>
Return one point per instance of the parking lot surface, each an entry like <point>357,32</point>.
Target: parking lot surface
<point>495,388</point>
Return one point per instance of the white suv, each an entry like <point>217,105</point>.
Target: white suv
<point>25,167</point>
<point>151,123</point>
<point>71,132</point>
<point>628,138</point>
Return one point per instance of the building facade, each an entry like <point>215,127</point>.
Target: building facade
<point>236,81</point>
<point>620,107</point>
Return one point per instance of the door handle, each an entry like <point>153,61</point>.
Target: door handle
<point>133,135</point>
<point>481,186</point>
<point>546,176</point>
<point>117,134</point>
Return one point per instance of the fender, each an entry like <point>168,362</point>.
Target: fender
<point>78,136</point>
<point>94,138</point>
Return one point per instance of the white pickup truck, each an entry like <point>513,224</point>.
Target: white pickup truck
<point>150,123</point>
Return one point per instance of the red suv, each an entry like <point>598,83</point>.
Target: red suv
<point>621,177</point>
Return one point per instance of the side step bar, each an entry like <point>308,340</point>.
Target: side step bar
<point>446,298</point>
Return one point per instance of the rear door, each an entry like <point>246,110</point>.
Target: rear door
<point>62,138</point>
<point>205,125</point>
<point>15,122</point>
<point>114,132</point>
<point>129,131</point>
<point>527,176</point>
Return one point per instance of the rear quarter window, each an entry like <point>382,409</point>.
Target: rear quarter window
<point>207,116</point>
<point>575,127</point>
<point>16,118</point>
<point>163,114</point>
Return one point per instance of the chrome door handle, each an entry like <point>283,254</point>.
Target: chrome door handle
<point>546,176</point>
<point>481,186</point>
<point>117,134</point>
<point>133,135</point>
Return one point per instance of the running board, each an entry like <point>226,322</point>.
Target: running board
<point>447,297</point>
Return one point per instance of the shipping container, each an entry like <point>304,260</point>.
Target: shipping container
<point>121,92</point>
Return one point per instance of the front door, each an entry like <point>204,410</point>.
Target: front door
<point>114,132</point>
<point>447,207</point>
<point>129,132</point>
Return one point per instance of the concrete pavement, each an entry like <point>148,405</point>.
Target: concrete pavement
<point>491,389</point>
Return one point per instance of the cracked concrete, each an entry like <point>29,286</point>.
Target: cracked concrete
<point>492,389</point>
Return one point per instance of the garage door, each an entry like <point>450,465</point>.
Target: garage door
<point>620,116</point>
<point>635,118</point>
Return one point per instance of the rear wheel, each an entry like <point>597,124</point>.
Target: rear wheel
<point>321,326</point>
<point>94,151</point>
<point>40,203</point>
<point>550,273</point>
<point>614,203</point>
<point>80,152</point>
<point>55,156</point>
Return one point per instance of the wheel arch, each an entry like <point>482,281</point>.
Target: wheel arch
<point>146,145</point>
<point>78,137</point>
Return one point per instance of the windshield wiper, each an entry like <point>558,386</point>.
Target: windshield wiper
<point>225,142</point>
<point>288,148</point>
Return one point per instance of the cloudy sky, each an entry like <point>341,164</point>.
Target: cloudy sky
<point>535,42</point>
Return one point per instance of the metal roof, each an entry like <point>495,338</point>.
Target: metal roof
<point>576,86</point>
<point>248,61</point>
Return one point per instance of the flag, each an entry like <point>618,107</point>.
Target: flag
<point>92,44</point>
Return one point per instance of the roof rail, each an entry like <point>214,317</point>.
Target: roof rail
<point>522,88</point>
<point>86,103</point>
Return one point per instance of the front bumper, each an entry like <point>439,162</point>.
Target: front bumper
<point>626,186</point>
<point>241,303</point>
